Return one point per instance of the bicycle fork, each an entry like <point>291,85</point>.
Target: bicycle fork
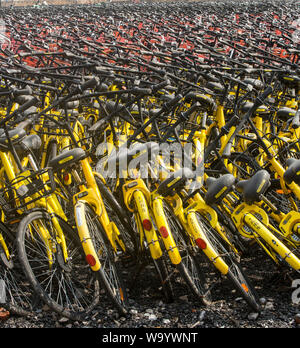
<point>261,230</point>
<point>165,231</point>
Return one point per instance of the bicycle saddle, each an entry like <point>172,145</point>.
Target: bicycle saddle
<point>142,152</point>
<point>70,112</point>
<point>261,111</point>
<point>293,171</point>
<point>67,158</point>
<point>257,84</point>
<point>112,107</point>
<point>30,111</point>
<point>246,106</point>
<point>253,188</point>
<point>175,183</point>
<point>218,188</point>
<point>285,113</point>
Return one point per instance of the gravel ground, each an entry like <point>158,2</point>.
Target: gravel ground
<point>148,310</point>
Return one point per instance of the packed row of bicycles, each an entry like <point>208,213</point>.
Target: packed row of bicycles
<point>162,134</point>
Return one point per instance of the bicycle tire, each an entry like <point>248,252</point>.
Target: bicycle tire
<point>69,288</point>
<point>160,265</point>
<point>19,297</point>
<point>235,274</point>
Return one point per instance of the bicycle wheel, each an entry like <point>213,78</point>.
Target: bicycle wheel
<point>189,267</point>
<point>160,265</point>
<point>17,295</point>
<point>235,273</point>
<point>69,288</point>
<point>109,274</point>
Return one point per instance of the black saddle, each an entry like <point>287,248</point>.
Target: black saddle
<point>217,189</point>
<point>15,135</point>
<point>29,143</point>
<point>253,188</point>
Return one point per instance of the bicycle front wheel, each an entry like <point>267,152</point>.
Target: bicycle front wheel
<point>160,264</point>
<point>109,273</point>
<point>235,273</point>
<point>67,286</point>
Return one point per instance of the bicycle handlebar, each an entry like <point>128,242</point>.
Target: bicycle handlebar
<point>32,102</point>
<point>259,101</point>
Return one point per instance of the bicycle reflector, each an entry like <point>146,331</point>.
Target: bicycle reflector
<point>201,243</point>
<point>147,224</point>
<point>90,260</point>
<point>164,232</point>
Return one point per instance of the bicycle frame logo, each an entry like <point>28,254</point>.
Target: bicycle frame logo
<point>151,161</point>
<point>2,291</point>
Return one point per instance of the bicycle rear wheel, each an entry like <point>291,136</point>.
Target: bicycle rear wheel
<point>68,287</point>
<point>17,295</point>
<point>109,273</point>
<point>235,273</point>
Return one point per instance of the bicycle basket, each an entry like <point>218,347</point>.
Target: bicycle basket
<point>27,188</point>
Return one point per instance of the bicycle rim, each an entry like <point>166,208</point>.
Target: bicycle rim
<point>160,265</point>
<point>109,274</point>
<point>70,288</point>
<point>17,295</point>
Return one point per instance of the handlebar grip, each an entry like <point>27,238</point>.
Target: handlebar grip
<point>142,91</point>
<point>168,105</point>
<point>26,123</point>
<point>229,124</point>
<point>296,120</point>
<point>188,112</point>
<point>159,86</point>
<point>204,120</point>
<point>160,72</point>
<point>227,150</point>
